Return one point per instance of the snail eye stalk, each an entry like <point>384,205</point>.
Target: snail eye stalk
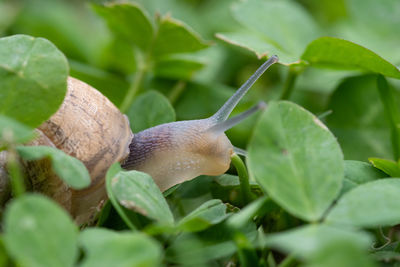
<point>229,123</point>
<point>223,113</point>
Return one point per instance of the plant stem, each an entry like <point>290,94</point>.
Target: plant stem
<point>16,175</point>
<point>392,112</point>
<point>246,252</point>
<point>176,91</point>
<point>289,83</point>
<point>270,260</point>
<point>133,89</point>
<point>104,213</point>
<point>243,178</point>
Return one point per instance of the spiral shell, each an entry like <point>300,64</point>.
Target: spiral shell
<point>89,127</point>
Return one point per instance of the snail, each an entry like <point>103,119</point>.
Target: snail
<point>89,127</point>
<point>179,151</point>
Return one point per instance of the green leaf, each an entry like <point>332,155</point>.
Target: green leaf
<point>4,257</point>
<point>295,158</point>
<point>388,98</point>
<point>339,53</point>
<point>111,173</point>
<point>148,110</point>
<point>383,17</point>
<point>188,250</point>
<point>160,45</point>
<point>175,37</point>
<point>389,167</point>
<point>344,253</point>
<point>177,66</point>
<point>247,254</point>
<point>284,27</point>
<point>128,21</point>
<point>15,131</point>
<point>255,43</point>
<point>357,173</point>
<point>198,249</point>
<point>209,213</point>
<point>137,191</point>
<point>375,25</point>
<point>40,233</point>
<point>119,57</point>
<point>227,188</point>
<point>279,21</point>
<point>258,207</point>
<point>82,38</point>
<point>358,119</point>
<point>229,180</point>
<point>307,241</point>
<point>108,248</point>
<point>71,170</point>
<point>372,204</point>
<point>33,78</point>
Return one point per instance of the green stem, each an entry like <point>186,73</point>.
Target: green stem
<point>15,171</point>
<point>132,91</point>
<point>289,83</point>
<point>176,91</point>
<point>243,178</point>
<point>104,213</point>
<point>246,252</point>
<point>382,240</point>
<point>388,98</point>
<point>270,260</point>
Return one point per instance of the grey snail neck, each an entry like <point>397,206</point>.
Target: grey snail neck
<point>174,152</point>
<point>153,140</point>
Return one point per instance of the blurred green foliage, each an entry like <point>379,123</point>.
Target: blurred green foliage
<point>166,60</point>
<point>109,62</point>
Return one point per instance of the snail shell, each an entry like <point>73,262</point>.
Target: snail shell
<point>89,127</point>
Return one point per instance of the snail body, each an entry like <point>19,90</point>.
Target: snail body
<point>170,155</point>
<point>89,127</point>
<point>179,151</point>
